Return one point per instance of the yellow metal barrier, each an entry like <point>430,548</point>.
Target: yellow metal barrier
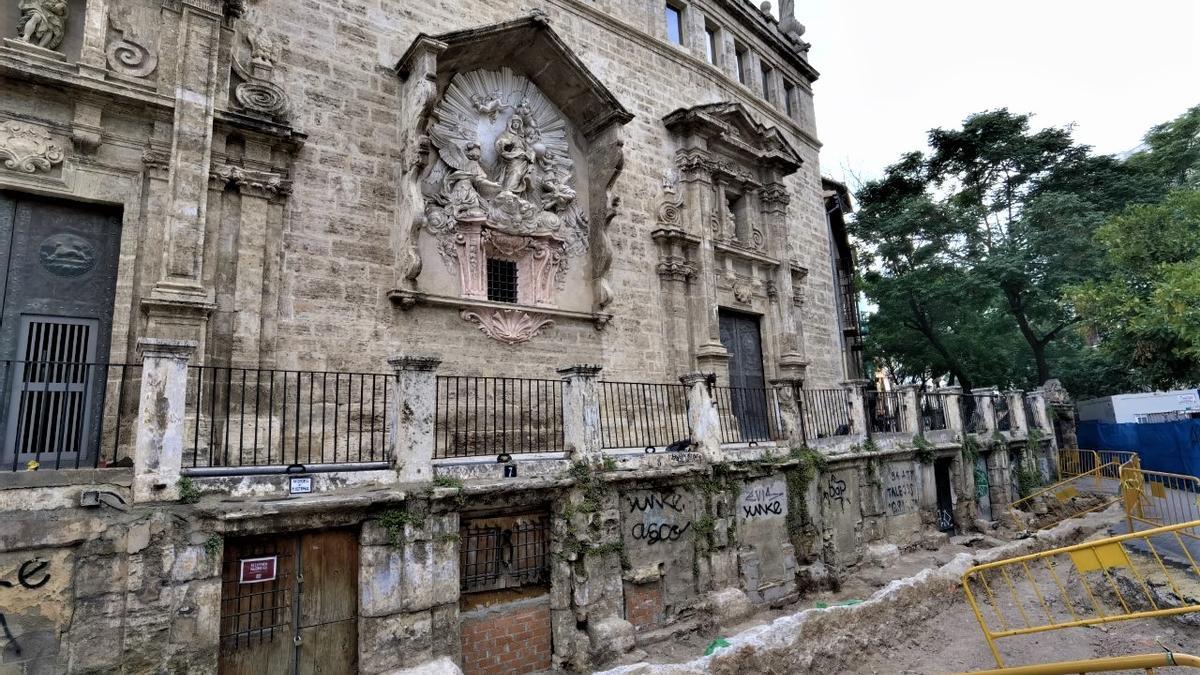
<point>1114,579</point>
<point>1158,498</point>
<point>1061,494</point>
<point>1141,661</point>
<point>1073,461</point>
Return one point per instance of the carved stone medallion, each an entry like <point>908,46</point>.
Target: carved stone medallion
<point>28,148</point>
<point>67,255</point>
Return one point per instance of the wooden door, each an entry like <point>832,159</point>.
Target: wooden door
<point>741,337</point>
<point>56,303</point>
<point>303,621</point>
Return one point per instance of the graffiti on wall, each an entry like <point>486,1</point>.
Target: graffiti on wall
<point>655,517</point>
<point>765,498</point>
<point>833,491</point>
<point>900,489</point>
<point>30,575</point>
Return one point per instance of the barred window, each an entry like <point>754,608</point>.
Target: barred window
<point>504,552</point>
<point>501,280</point>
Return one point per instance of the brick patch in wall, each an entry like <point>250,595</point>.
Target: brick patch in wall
<point>644,604</point>
<point>507,639</point>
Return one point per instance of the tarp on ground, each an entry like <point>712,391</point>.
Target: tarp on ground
<point>1173,447</point>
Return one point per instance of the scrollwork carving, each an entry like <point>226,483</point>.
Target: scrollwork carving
<point>510,326</point>
<point>27,148</point>
<point>127,56</point>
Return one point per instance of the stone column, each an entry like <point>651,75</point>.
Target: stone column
<point>858,407</point>
<point>581,413</point>
<point>411,417</point>
<point>787,393</point>
<point>952,400</point>
<point>158,445</point>
<point>987,409</point>
<point>703,418</point>
<point>1037,402</point>
<point>910,408</point>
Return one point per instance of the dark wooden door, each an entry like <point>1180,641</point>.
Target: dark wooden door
<point>741,337</point>
<point>56,302</point>
<point>303,621</point>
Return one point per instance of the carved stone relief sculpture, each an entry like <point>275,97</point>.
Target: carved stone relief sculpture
<point>503,185</point>
<point>256,93</point>
<point>43,23</point>
<point>27,148</point>
<point>125,55</point>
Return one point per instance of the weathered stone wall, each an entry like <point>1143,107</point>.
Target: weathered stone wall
<point>292,242</point>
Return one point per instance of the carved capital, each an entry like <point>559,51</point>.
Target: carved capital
<point>676,268</point>
<point>256,183</point>
<point>28,148</point>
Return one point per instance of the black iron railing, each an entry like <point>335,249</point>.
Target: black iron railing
<point>970,407</point>
<point>933,411</point>
<point>824,413</point>
<point>885,412</point>
<point>1003,414</point>
<point>252,420</point>
<point>747,414</point>
<point>640,415</point>
<point>67,415</point>
<point>492,416</point>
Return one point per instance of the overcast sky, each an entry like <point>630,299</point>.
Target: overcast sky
<point>891,70</point>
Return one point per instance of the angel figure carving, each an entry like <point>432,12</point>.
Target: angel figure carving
<point>503,164</point>
<point>43,22</point>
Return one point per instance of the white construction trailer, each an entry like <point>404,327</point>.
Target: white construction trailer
<point>1157,406</point>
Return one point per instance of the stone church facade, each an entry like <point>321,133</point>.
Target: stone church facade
<point>357,335</point>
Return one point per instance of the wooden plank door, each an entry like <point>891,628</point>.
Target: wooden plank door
<point>741,337</point>
<point>328,606</point>
<point>305,620</point>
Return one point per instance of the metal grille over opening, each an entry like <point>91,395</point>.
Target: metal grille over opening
<point>504,552</point>
<point>501,280</point>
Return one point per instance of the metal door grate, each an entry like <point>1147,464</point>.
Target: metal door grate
<point>52,387</point>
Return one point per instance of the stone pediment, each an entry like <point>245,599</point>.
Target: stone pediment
<point>530,46</point>
<point>729,128</point>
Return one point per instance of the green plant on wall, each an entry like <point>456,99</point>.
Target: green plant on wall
<point>1028,480</point>
<point>923,449</point>
<point>189,492</point>
<point>393,522</point>
<point>970,448</point>
<point>809,464</point>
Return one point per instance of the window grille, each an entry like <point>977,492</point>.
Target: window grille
<point>501,280</point>
<point>504,552</point>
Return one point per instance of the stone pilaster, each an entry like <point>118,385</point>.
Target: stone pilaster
<point>703,417</point>
<point>1016,412</point>
<point>179,299</point>
<point>411,417</point>
<point>910,408</point>
<point>986,409</point>
<point>158,448</point>
<point>787,393</point>
<point>581,412</point>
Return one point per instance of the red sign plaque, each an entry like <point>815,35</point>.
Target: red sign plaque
<point>257,570</point>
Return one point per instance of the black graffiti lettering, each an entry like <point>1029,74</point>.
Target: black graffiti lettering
<point>656,502</point>
<point>774,508</point>
<point>762,494</point>
<point>835,491</point>
<point>12,639</point>
<point>653,533</point>
<point>31,569</point>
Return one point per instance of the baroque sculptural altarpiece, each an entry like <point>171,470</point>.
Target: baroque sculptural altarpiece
<point>503,185</point>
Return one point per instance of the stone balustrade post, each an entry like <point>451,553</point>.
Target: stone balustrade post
<point>411,416</point>
<point>952,408</point>
<point>581,413</point>
<point>787,396</point>
<point>1037,404</point>
<point>703,417</point>
<point>159,437</point>
<point>858,407</point>
<point>986,408</point>
<point>1016,412</point>
<point>910,408</point>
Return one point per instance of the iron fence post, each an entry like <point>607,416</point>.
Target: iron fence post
<point>158,446</point>
<point>581,413</point>
<point>412,416</point>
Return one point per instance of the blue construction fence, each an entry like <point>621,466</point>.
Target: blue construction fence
<point>1173,447</point>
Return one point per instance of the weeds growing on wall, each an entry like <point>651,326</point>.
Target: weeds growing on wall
<point>189,493</point>
<point>1028,480</point>
<point>810,464</point>
<point>970,448</point>
<point>393,522</point>
<point>212,546</point>
<point>923,449</point>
